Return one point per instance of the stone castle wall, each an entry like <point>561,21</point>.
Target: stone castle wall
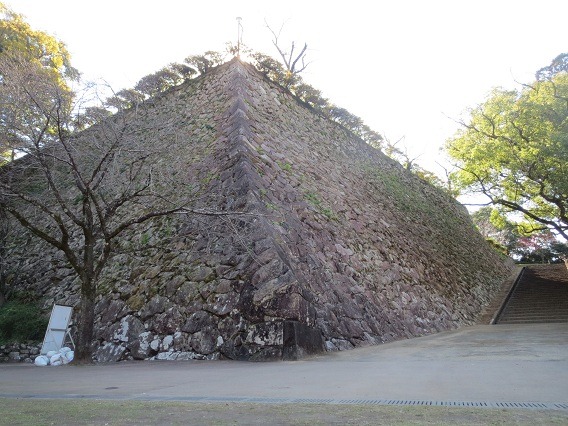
<point>378,253</point>
<point>334,246</point>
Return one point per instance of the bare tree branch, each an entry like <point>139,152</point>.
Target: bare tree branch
<point>289,58</point>
<point>79,192</point>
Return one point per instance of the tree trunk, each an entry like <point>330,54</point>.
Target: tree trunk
<point>88,290</point>
<point>3,251</point>
<point>86,324</point>
<point>3,286</point>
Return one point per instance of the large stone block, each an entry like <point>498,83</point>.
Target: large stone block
<point>110,353</point>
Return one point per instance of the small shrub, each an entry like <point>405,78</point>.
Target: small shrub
<point>287,167</point>
<point>497,246</point>
<point>313,199</point>
<point>327,212</point>
<point>144,238</point>
<point>21,322</point>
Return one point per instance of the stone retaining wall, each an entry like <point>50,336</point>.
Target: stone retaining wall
<point>335,245</point>
<point>19,352</point>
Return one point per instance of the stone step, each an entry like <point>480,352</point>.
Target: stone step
<point>537,313</point>
<point>526,307</point>
<point>540,296</point>
<point>533,321</point>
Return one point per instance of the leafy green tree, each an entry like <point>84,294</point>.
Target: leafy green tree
<point>204,62</point>
<point>39,54</point>
<point>344,117</point>
<point>540,247</point>
<point>124,99</point>
<point>17,37</point>
<point>311,96</point>
<point>495,227</point>
<point>514,151</point>
<point>275,71</point>
<point>558,65</point>
<point>164,79</point>
<point>23,123</point>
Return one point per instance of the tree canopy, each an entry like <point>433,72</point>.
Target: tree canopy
<point>514,151</point>
<point>26,53</point>
<point>17,37</point>
<point>539,247</point>
<point>558,65</point>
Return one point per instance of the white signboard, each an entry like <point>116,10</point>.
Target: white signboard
<point>57,328</point>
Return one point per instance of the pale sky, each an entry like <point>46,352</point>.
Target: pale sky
<point>406,67</point>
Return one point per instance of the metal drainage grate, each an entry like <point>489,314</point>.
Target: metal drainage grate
<point>267,400</point>
<point>521,405</point>
<point>306,401</point>
<point>357,401</point>
<point>472,404</point>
